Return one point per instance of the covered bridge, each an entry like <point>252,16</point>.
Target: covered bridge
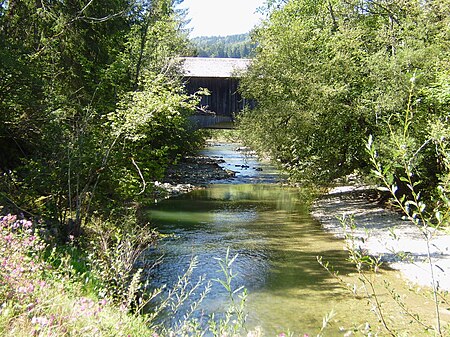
<point>221,77</point>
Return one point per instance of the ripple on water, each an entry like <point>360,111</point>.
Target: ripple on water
<point>277,243</point>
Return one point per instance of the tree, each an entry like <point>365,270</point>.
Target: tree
<point>71,70</point>
<point>329,73</point>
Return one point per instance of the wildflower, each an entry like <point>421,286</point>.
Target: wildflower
<point>30,288</point>
<point>10,218</point>
<point>15,225</point>
<point>123,307</point>
<point>52,319</point>
<point>27,224</point>
<point>22,290</point>
<point>41,321</point>
<point>8,238</point>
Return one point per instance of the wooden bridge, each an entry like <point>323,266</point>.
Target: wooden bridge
<point>221,77</point>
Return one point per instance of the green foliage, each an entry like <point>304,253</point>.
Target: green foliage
<point>235,316</point>
<point>329,73</point>
<point>115,251</point>
<point>404,168</point>
<point>149,130</point>
<point>44,293</point>
<point>237,46</point>
<point>92,107</point>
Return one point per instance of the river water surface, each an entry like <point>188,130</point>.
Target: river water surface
<point>277,242</point>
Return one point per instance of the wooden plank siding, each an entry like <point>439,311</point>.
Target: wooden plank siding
<point>224,99</point>
<point>221,78</point>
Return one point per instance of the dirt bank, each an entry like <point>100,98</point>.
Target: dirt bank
<point>381,232</point>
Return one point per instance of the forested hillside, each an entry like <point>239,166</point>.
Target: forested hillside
<point>238,46</point>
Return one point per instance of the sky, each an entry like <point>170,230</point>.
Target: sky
<point>221,17</point>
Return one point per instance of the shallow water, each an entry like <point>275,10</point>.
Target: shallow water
<point>277,243</point>
<point>249,170</point>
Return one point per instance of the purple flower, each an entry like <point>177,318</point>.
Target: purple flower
<point>8,238</point>
<point>42,321</point>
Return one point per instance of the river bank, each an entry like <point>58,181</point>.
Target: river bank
<point>379,231</point>
<point>383,233</point>
<point>191,173</point>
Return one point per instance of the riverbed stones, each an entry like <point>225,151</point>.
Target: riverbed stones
<point>383,233</point>
<point>198,171</point>
<point>192,172</point>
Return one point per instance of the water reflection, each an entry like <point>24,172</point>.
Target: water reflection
<point>277,242</point>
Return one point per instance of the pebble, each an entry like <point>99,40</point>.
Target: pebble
<point>191,173</point>
<point>383,233</point>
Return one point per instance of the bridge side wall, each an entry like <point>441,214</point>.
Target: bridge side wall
<point>224,100</point>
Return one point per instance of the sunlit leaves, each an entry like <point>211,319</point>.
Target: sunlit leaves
<point>91,104</point>
<point>152,106</point>
<point>329,73</point>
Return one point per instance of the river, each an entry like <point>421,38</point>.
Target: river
<point>277,244</point>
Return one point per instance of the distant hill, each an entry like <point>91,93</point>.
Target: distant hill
<point>238,46</point>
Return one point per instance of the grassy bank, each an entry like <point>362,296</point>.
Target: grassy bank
<point>47,290</point>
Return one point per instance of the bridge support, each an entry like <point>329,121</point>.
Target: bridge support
<point>211,122</point>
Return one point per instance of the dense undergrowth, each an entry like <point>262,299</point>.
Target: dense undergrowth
<point>46,291</point>
<point>97,289</point>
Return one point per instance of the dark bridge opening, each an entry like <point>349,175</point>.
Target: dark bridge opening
<point>221,77</point>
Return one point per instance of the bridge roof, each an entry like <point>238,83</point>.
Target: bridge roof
<point>214,67</point>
